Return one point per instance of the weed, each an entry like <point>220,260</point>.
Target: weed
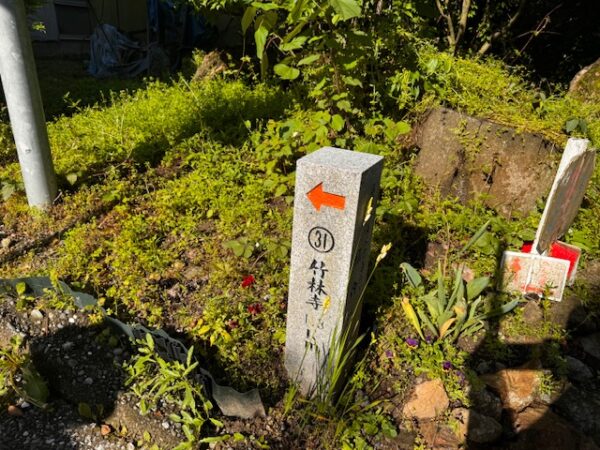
<point>157,382</point>
<point>19,376</point>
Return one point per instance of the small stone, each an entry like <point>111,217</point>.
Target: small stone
<point>36,315</point>
<point>88,381</point>
<point>71,319</point>
<point>130,446</point>
<point>5,243</point>
<point>428,400</point>
<point>24,405</point>
<point>192,273</point>
<point>532,313</point>
<point>68,345</point>
<point>105,429</point>
<point>165,425</point>
<point>14,410</point>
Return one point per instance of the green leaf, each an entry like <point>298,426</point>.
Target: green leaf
<point>337,122</point>
<point>403,127</point>
<point>475,237</point>
<point>281,189</point>
<point>21,288</point>
<point>344,105</point>
<point>294,44</point>
<point>35,386</point>
<point>85,410</point>
<point>248,18</point>
<point>347,9</point>
<point>7,191</point>
<point>149,341</point>
<point>476,287</point>
<point>412,275</point>
<point>260,38</point>
<point>297,10</point>
<point>286,72</point>
<point>507,307</point>
<point>350,81</point>
<point>72,178</point>
<point>427,321</point>
<point>265,6</point>
<point>571,125</point>
<point>308,60</point>
<point>488,244</point>
<point>216,423</point>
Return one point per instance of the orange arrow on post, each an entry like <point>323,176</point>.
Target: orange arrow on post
<point>319,198</point>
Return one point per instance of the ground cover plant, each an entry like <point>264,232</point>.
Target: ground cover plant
<point>176,211</point>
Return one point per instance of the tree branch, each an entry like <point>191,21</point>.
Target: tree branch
<point>487,45</point>
<point>462,21</point>
<point>446,15</point>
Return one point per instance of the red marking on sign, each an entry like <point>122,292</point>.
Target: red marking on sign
<point>560,251</point>
<point>516,265</point>
<point>318,197</point>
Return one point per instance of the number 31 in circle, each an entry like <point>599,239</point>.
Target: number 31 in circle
<point>321,239</point>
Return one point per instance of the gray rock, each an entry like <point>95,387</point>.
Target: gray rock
<point>581,407</point>
<point>463,156</point>
<point>578,371</point>
<point>486,403</point>
<point>591,346</point>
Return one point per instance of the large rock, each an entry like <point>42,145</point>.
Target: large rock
<point>539,428</point>
<point>463,157</point>
<point>517,387</point>
<point>591,346</point>
<point>428,400</point>
<point>585,85</point>
<point>476,427</point>
<point>486,403</point>
<point>581,407</point>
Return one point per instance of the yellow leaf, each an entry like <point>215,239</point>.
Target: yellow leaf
<point>444,328</point>
<point>226,336</point>
<point>204,329</point>
<point>412,316</point>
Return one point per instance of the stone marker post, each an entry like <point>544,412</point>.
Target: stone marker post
<point>330,254</point>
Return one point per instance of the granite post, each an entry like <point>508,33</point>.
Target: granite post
<point>334,204</point>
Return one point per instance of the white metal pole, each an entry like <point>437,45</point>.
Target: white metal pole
<point>24,101</point>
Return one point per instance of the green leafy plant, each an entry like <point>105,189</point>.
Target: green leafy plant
<point>448,315</point>
<point>154,381</point>
<point>19,375</point>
